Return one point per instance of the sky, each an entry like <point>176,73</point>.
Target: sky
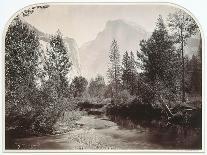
<point>84,22</point>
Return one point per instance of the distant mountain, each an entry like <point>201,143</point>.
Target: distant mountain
<point>94,54</point>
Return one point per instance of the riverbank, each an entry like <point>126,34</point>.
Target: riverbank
<point>100,132</point>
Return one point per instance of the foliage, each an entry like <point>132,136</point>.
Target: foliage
<point>21,51</point>
<point>29,108</point>
<point>114,70</point>
<point>97,87</point>
<point>78,86</point>
<point>129,72</point>
<point>182,26</point>
<point>193,72</point>
<point>159,59</point>
<point>124,97</point>
<point>67,121</point>
<point>57,64</point>
<point>108,92</point>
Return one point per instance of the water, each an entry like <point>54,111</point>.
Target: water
<point>114,133</point>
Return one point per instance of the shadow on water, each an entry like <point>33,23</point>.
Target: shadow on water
<point>169,136</point>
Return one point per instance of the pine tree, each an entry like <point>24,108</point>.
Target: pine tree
<point>183,27</point>
<point>133,73</point>
<point>158,58</point>
<point>126,70</point>
<point>200,67</point>
<point>114,70</point>
<point>129,72</point>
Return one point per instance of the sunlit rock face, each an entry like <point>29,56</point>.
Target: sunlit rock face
<point>71,46</point>
<point>73,52</point>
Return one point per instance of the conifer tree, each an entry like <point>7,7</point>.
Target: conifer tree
<point>183,26</point>
<point>158,57</point>
<point>126,70</point>
<point>114,70</point>
<point>129,72</point>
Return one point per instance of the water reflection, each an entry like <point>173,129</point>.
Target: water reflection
<point>169,136</point>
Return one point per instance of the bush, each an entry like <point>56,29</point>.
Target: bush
<point>123,97</point>
<point>67,121</point>
<point>135,109</point>
<point>50,109</point>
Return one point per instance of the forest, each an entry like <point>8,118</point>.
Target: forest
<point>159,86</point>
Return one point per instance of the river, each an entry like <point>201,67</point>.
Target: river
<point>101,133</point>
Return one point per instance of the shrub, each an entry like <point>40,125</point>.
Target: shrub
<point>67,121</point>
<point>123,97</point>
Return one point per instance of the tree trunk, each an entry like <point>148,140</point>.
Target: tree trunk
<point>183,67</point>
<point>167,109</point>
<point>116,82</point>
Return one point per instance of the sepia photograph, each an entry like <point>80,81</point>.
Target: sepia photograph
<point>103,76</point>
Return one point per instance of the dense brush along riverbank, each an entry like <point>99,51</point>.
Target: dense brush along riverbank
<point>105,126</point>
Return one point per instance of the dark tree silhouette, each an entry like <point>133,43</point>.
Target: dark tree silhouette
<point>21,53</point>
<point>158,58</point>
<point>183,27</point>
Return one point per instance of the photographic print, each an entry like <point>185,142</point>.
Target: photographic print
<point>101,76</point>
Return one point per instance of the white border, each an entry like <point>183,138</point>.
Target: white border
<point>90,151</point>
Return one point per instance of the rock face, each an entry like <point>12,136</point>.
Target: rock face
<point>94,54</point>
<point>71,46</point>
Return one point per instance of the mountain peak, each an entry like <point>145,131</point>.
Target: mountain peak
<point>116,21</point>
<point>121,22</point>
<point>94,55</point>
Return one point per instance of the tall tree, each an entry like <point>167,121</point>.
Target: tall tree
<point>57,64</point>
<point>129,72</point>
<point>114,70</point>
<point>158,58</point>
<point>21,48</point>
<point>200,66</point>
<point>133,73</point>
<point>183,26</point>
<point>126,70</point>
